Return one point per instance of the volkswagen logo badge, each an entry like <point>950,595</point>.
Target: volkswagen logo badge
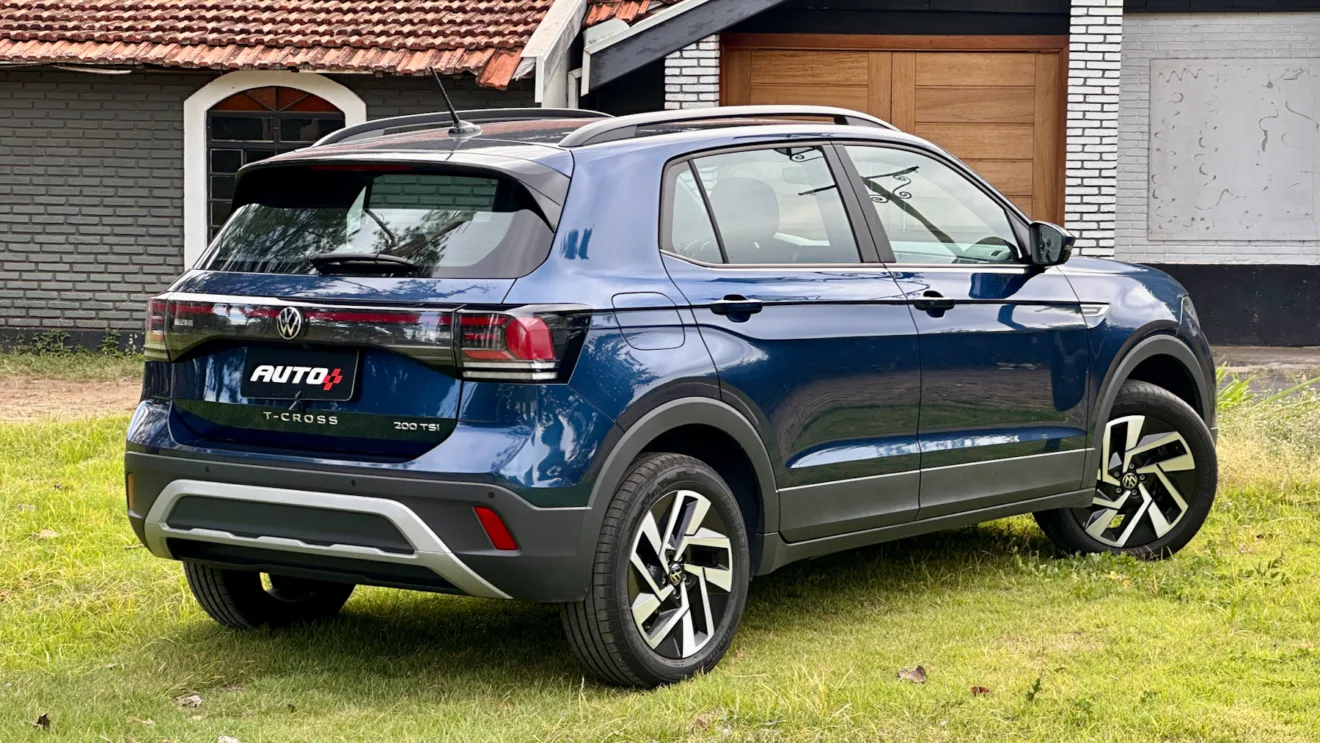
<point>1129,481</point>
<point>289,323</point>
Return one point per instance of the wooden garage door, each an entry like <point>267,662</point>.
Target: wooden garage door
<point>999,111</point>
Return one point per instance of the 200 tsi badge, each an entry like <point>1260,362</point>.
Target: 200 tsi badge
<point>288,374</point>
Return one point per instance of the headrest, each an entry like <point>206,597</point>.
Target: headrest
<point>747,211</point>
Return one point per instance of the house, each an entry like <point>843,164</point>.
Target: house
<point>1180,133</point>
<point>123,121</point>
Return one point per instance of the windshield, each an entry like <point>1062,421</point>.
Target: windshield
<point>335,220</point>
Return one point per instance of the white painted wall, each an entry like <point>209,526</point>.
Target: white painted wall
<point>195,237</point>
<point>1219,139</point>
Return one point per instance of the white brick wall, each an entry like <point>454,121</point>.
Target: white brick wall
<point>1199,36</point>
<point>1094,47</point>
<point>692,75</point>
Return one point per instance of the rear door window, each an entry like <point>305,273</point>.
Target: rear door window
<point>771,206</point>
<point>306,220</point>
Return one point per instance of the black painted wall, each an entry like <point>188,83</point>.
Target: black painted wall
<point>638,91</point>
<point>1218,6</point>
<point>1245,305</point>
<point>1033,17</point>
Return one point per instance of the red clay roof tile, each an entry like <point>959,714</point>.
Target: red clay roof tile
<point>480,37</point>
<point>625,10</point>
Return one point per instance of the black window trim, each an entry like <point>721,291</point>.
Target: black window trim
<point>862,235</point>
<point>710,210</point>
<point>1018,222</point>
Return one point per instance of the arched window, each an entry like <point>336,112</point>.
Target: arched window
<point>254,125</point>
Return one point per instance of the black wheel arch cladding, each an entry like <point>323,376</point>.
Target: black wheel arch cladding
<point>1138,349</point>
<point>655,423</point>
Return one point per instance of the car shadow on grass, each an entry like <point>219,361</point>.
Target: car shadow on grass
<point>399,642</point>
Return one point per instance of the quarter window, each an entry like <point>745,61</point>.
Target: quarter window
<point>771,206</point>
<point>931,213</point>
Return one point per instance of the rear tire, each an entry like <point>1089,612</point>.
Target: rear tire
<point>1155,489</point>
<point>237,598</point>
<point>669,580</point>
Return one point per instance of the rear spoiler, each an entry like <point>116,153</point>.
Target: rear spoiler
<point>547,186</point>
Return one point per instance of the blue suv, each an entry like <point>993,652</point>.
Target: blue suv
<point>627,364</point>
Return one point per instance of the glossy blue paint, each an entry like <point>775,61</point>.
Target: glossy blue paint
<point>830,365</point>
<point>616,375</point>
<point>1004,370</point>
<point>1139,302</point>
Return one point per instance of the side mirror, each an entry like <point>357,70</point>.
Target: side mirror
<point>1050,244</point>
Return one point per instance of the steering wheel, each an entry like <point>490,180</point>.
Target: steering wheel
<point>991,241</point>
<point>696,249</point>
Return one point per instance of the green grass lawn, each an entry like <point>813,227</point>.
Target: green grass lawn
<point>1221,643</point>
<point>77,365</point>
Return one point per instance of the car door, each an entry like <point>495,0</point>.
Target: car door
<point>1004,351</point>
<point>811,336</point>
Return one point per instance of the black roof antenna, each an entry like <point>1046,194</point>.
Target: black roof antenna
<point>460,126</point>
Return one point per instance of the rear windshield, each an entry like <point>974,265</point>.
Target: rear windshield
<point>332,220</point>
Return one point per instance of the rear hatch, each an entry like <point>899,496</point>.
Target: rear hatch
<point>338,310</point>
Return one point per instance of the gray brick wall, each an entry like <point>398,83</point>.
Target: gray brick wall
<point>1249,37</point>
<point>399,96</point>
<point>91,202</point>
<point>91,187</point>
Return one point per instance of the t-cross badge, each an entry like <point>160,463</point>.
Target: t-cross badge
<point>626,365</point>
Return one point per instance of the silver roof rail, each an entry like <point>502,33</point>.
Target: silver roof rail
<point>380,127</point>
<point>625,127</point>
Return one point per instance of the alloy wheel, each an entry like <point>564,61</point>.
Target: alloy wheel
<point>680,574</point>
<point>1146,473</point>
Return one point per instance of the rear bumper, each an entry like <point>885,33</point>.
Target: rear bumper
<point>406,532</point>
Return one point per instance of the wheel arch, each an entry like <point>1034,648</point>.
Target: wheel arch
<point>1162,359</point>
<point>709,430</point>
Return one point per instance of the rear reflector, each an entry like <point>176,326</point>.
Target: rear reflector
<point>128,491</point>
<point>498,533</point>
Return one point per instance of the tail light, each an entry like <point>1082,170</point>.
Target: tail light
<point>153,343</point>
<point>178,323</point>
<point>535,343</point>
<point>531,344</point>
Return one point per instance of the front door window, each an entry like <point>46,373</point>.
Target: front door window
<point>931,213</point>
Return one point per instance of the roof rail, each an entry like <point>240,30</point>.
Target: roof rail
<point>442,118</point>
<point>625,127</point>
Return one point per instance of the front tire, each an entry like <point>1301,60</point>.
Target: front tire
<point>238,599</point>
<point>1157,480</point>
<point>669,580</point>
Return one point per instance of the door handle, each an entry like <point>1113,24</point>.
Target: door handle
<point>736,304</point>
<point>933,302</point>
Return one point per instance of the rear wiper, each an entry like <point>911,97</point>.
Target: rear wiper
<point>362,262</point>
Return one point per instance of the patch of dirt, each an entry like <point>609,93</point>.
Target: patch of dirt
<point>30,398</point>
